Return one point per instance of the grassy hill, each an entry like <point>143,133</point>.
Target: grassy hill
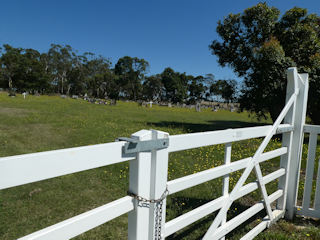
<point>46,123</point>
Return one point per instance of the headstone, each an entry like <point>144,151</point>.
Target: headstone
<point>198,107</point>
<point>12,94</point>
<point>113,102</point>
<point>75,96</point>
<point>144,104</point>
<point>150,104</point>
<point>169,105</point>
<point>24,95</point>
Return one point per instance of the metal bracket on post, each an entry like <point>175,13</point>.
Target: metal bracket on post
<point>134,145</point>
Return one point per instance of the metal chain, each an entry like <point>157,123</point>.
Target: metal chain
<point>144,202</point>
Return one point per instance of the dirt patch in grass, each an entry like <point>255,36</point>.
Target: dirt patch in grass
<point>29,138</point>
<point>14,112</point>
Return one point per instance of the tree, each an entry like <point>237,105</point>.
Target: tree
<point>112,85</point>
<point>226,89</point>
<point>60,63</point>
<point>131,72</point>
<point>153,88</point>
<point>33,75</point>
<point>175,85</point>
<point>96,69</point>
<point>23,70</point>
<point>77,76</point>
<point>196,89</point>
<point>260,46</point>
<point>11,64</point>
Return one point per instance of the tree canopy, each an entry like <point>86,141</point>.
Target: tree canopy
<point>259,46</point>
<point>62,70</point>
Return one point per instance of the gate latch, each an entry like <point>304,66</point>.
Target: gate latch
<point>134,145</point>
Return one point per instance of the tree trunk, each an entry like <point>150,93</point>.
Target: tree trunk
<point>10,82</point>
<point>69,88</point>
<point>61,85</point>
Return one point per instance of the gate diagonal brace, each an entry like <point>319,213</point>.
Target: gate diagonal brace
<point>135,146</point>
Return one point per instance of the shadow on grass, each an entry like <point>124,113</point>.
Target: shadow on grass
<point>199,228</point>
<point>202,127</point>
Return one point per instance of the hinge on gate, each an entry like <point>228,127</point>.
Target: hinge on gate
<point>134,145</point>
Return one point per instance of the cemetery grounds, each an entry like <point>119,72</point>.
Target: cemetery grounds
<point>41,123</point>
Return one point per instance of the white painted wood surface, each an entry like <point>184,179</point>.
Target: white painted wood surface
<point>84,222</point>
<point>317,193</point>
<point>213,173</point>
<point>306,209</point>
<point>27,168</point>
<point>297,138</point>
<point>309,171</point>
<point>286,142</point>
<point>263,225</point>
<point>159,178</point>
<point>310,212</point>
<point>225,186</point>
<point>139,184</point>
<point>244,216</point>
<point>202,139</point>
<point>214,205</point>
<point>311,129</point>
<point>212,229</point>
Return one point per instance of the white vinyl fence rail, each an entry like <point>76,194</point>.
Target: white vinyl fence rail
<point>148,151</point>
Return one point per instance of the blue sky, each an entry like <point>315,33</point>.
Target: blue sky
<point>166,33</point>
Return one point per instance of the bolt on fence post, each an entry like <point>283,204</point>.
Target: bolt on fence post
<point>297,83</point>
<point>139,184</point>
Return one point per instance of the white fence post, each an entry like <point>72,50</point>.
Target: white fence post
<point>158,188</point>
<point>148,179</point>
<point>225,186</point>
<point>139,184</point>
<point>297,116</point>
<point>287,141</point>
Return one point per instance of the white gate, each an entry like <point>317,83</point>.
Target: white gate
<point>307,209</point>
<point>148,152</point>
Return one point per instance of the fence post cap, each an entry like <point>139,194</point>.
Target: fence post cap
<point>159,134</point>
<point>142,134</point>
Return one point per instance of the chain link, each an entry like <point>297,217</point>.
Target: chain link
<point>144,202</point>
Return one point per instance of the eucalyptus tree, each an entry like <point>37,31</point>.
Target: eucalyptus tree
<point>197,89</point>
<point>96,68</point>
<point>259,46</point>
<point>33,75</point>
<point>175,85</point>
<point>226,89</point>
<point>153,88</point>
<point>76,77</point>
<point>61,58</point>
<point>11,59</point>
<point>131,72</point>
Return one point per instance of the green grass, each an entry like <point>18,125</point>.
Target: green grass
<point>46,123</point>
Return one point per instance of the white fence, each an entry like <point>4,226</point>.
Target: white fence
<point>148,175</point>
<point>306,209</point>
